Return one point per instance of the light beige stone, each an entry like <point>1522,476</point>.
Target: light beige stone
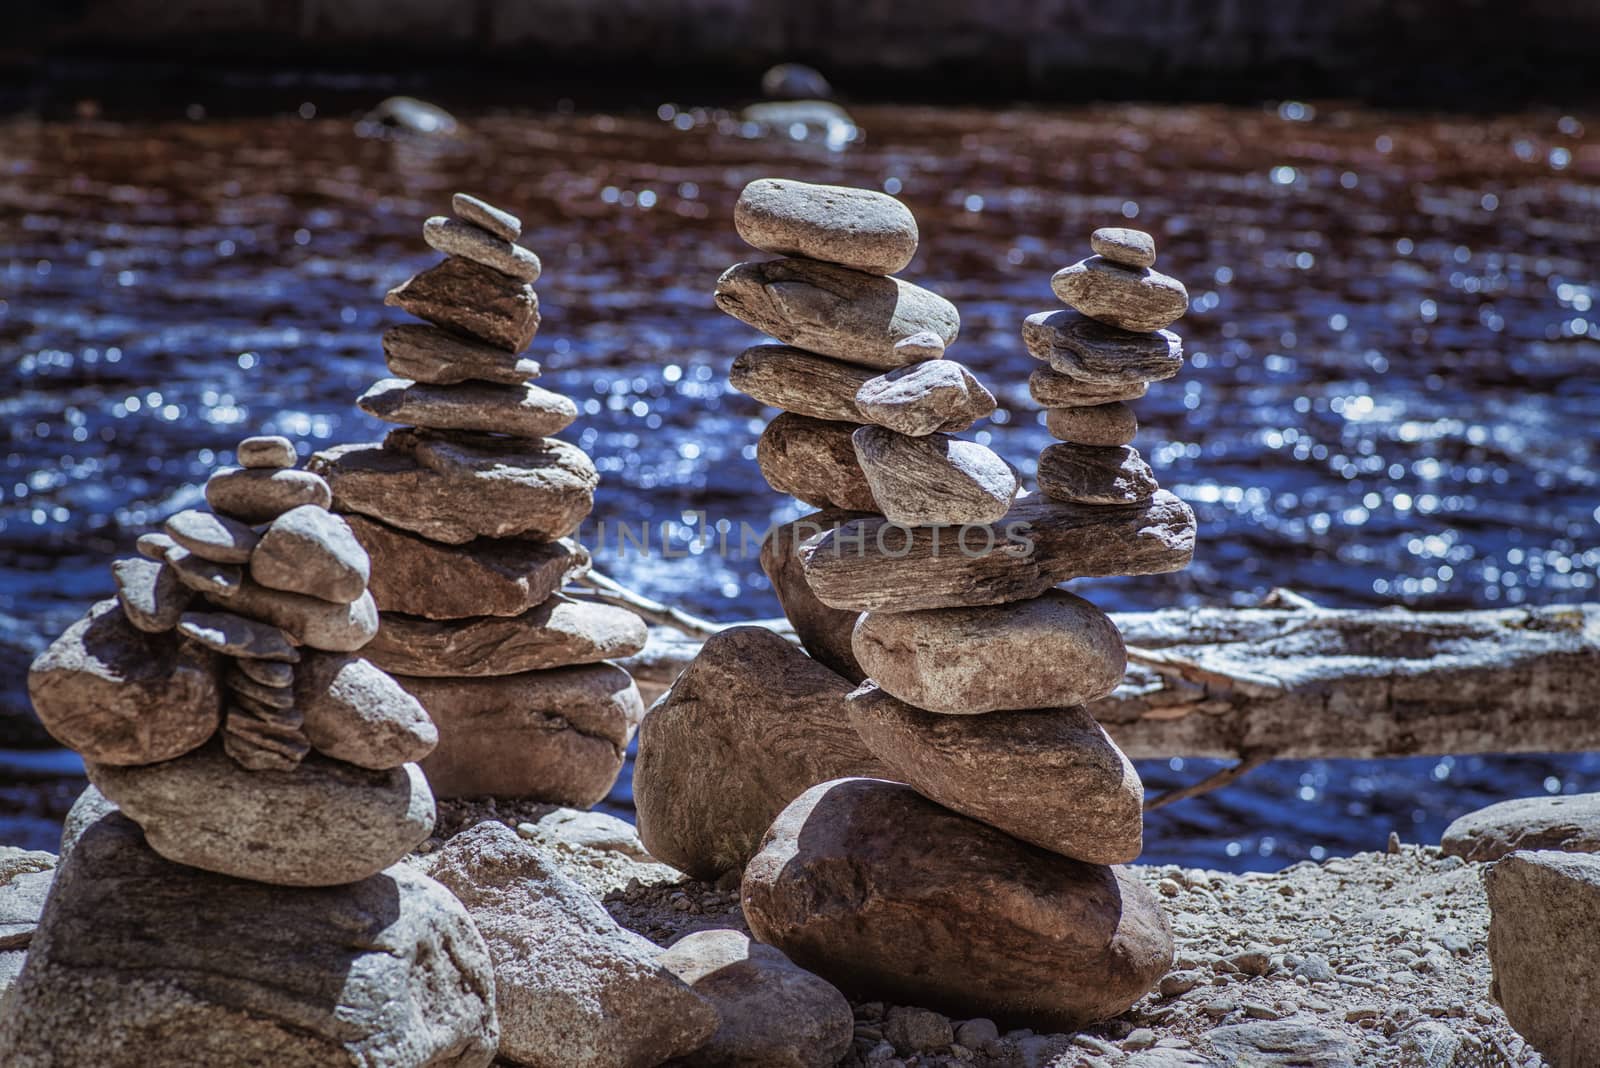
<point>211,536</point>
<point>1100,356</point>
<point>221,581</point>
<point>935,479</point>
<point>1052,389</point>
<point>150,594</point>
<point>355,712</point>
<point>497,221</point>
<point>1125,297</point>
<point>800,382</point>
<point>524,411</point>
<point>456,238</point>
<point>268,450</point>
<point>823,632</point>
<point>310,550</point>
<point>1119,244</point>
<point>261,494</point>
<point>857,228</point>
<point>937,395</point>
<point>338,628</point>
<point>1569,823</point>
<point>1085,474</point>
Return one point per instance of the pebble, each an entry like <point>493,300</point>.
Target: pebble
<point>205,576</point>
<point>456,238</point>
<point>1131,248</point>
<point>154,546</point>
<point>857,228</point>
<point>312,551</point>
<point>237,636</point>
<point>1137,299</point>
<point>151,594</point>
<point>1102,425</point>
<point>977,1034</point>
<point>522,411</point>
<point>1139,1038</point>
<point>914,1030</point>
<point>500,223</point>
<point>1098,355</point>
<point>1176,984</point>
<point>936,395</point>
<point>1086,474</point>
<point>260,495</point>
<point>211,536</point>
<point>266,672</point>
<point>268,450</point>
<point>935,479</point>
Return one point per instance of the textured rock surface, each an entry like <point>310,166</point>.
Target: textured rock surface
<point>482,577</point>
<point>339,628</point>
<point>310,550</point>
<point>321,824</point>
<point>497,221</point>
<point>1569,823</point>
<point>150,593</point>
<point>935,479</point>
<point>558,632</point>
<point>471,299</point>
<point>1096,424</point>
<point>1125,297</point>
<point>267,450</point>
<point>935,395</point>
<point>118,695</point>
<point>888,895</point>
<point>454,490</point>
<point>428,354</point>
<point>1544,942</point>
<point>867,565</point>
<point>523,410</point>
<point>572,988</point>
<point>229,974</point>
<point>815,461</point>
<point>1052,389</point>
<point>261,494</point>
<point>211,536</point>
<point>25,878</point>
<point>456,238</point>
<point>1119,244</point>
<point>1049,776</point>
<point>797,381</point>
<point>239,637</point>
<point>771,1014</point>
<point>747,728</point>
<point>1053,650</point>
<point>356,713</point>
<point>834,311</point>
<point>556,736</point>
<point>859,228</point>
<point>1086,474</point>
<point>204,576</point>
<point>1099,355</point>
<point>824,632</point>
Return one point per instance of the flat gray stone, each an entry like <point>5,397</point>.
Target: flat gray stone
<point>260,495</point>
<point>258,737</point>
<point>237,636</point>
<point>267,450</point>
<point>933,480</point>
<point>1052,389</point>
<point>456,238</point>
<point>1289,1043</point>
<point>211,536</point>
<point>800,382</point>
<point>266,672</point>
<point>1131,248</point>
<point>924,398</point>
<point>559,632</point>
<point>815,461</point>
<point>1084,474</point>
<point>1099,355</point>
<point>500,223</point>
<point>310,550</point>
<point>355,712</point>
<point>1129,298</point>
<point>857,228</point>
<point>834,311</point>
<point>428,354</point>
<point>472,299</point>
<point>1568,823</point>
<point>154,545</point>
<point>151,594</point>
<point>1102,425</point>
<point>221,581</point>
<point>322,824</point>
<point>338,628</point>
<point>523,411</point>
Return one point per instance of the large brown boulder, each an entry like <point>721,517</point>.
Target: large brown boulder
<point>890,896</point>
<point>747,728</point>
<point>823,631</point>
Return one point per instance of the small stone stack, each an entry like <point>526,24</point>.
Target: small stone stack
<point>266,782</point>
<point>467,511</point>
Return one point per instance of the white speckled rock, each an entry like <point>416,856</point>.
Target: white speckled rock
<point>935,479</point>
<point>857,228</point>
<point>1125,297</point>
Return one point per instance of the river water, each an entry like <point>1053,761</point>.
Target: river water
<point>1390,397</point>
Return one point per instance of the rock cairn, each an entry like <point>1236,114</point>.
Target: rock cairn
<point>267,784</point>
<point>945,833</point>
<point>467,510</point>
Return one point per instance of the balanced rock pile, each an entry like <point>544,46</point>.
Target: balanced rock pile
<point>943,834</point>
<point>233,865</point>
<point>467,510</point>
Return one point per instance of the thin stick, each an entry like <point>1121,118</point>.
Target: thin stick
<point>609,590</point>
<point>1214,781</point>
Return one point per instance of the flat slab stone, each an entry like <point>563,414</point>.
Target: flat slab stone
<point>425,353</point>
<point>154,545</point>
<point>25,878</point>
<point>1103,425</point>
<point>857,228</point>
<point>310,550</point>
<point>1085,474</point>
<point>1568,823</point>
<point>482,577</point>
<point>258,737</point>
<point>924,398</point>
<point>935,479</point>
<point>872,565</point>
<point>1096,354</point>
<point>557,736</point>
<point>386,971</point>
<point>355,712</point>
<point>120,695</point>
<point>800,382</point>
<point>558,632</point>
<point>1129,298</point>
<point>260,494</point>
<point>497,221</point>
<point>266,450</point>
<point>1052,389</point>
<point>1050,776</point>
<point>151,595</point>
<point>1052,650</point>
<point>834,311</point>
<point>321,824</point>
<point>815,461</point>
<point>889,895</point>
<point>823,632</point>
<point>221,581</point>
<point>474,300</point>
<point>266,672</point>
<point>524,411</point>
<point>453,490</point>
<point>749,726</point>
<point>456,238</point>
<point>337,628</point>
<point>238,637</point>
<point>1119,244</point>
<point>211,536</point>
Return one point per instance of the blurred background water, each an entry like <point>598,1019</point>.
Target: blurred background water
<point>1390,395</point>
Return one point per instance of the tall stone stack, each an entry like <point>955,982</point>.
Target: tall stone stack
<point>254,784</point>
<point>467,510</point>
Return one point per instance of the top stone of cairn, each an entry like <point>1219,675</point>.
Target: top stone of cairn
<point>1131,248</point>
<point>856,228</point>
<point>501,224</point>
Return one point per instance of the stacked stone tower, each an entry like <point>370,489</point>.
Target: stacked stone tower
<point>467,510</point>
<point>267,786</point>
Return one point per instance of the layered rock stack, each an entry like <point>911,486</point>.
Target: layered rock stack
<point>467,510</point>
<point>267,784</point>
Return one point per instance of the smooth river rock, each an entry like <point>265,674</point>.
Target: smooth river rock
<point>425,353</point>
<point>452,490</point>
<point>235,974</point>
<point>823,632</point>
<point>1128,298</point>
<point>211,536</point>
<point>474,300</point>
<point>310,550</point>
<point>1568,823</point>
<point>524,410</point>
<point>573,989</point>
<point>497,221</point>
<point>261,494</point>
<point>120,695</point>
<point>558,632</point>
<point>834,311</point>
<point>337,628</point>
<point>266,450</point>
<point>873,565</point>
<point>800,382</point>
<point>924,398</point>
<point>1119,244</point>
<point>1099,355</point>
<point>891,896</point>
<point>557,736</point>
<point>1087,474</point>
<point>1102,425</point>
<point>150,593</point>
<point>456,238</point>
<point>1052,389</point>
<point>815,461</point>
<point>1052,650</point>
<point>321,824</point>
<point>935,479</point>
<point>220,581</point>
<point>1049,776</point>
<point>747,728</point>
<point>357,713</point>
<point>858,228</point>
<point>482,577</point>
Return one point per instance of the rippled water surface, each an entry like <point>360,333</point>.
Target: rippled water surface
<point>1391,394</point>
